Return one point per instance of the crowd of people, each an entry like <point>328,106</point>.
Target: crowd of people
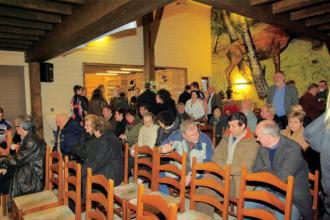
<point>276,140</point>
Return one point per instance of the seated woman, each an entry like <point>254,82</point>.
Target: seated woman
<point>194,107</point>
<point>167,125</point>
<point>29,161</point>
<point>220,121</point>
<point>104,153</point>
<point>148,132</point>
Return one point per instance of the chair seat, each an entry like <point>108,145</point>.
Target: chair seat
<point>167,198</point>
<point>33,200</point>
<point>193,215</point>
<point>56,213</point>
<point>128,191</point>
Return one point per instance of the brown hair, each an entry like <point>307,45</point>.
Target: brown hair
<point>93,119</point>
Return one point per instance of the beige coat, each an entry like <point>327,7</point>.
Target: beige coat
<point>297,136</point>
<point>245,153</point>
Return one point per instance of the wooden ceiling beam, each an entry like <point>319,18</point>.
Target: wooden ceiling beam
<point>40,5</point>
<point>317,20</point>
<point>14,46</point>
<point>23,31</point>
<point>76,2</point>
<point>12,49</point>
<point>95,18</point>
<point>29,15</point>
<point>260,2</point>
<point>310,12</point>
<point>24,23</point>
<point>155,25</point>
<point>263,13</point>
<point>290,5</point>
<point>324,27</point>
<point>18,37</point>
<point>13,41</point>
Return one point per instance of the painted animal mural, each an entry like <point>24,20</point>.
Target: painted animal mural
<point>268,42</point>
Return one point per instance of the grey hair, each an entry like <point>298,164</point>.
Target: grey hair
<point>269,127</point>
<point>185,125</point>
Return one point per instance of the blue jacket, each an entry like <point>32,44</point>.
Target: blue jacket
<point>70,135</point>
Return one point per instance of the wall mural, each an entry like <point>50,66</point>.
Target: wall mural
<point>245,55</point>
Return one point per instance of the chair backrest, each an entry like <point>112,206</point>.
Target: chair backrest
<point>143,163</point>
<point>55,173</point>
<point>47,167</point>
<point>125,146</point>
<point>314,179</point>
<point>169,210</point>
<point>210,168</point>
<point>210,131</point>
<point>264,196</point>
<point>175,177</point>
<point>72,185</point>
<point>104,202</point>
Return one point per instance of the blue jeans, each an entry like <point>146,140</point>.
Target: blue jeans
<point>163,188</point>
<point>295,214</point>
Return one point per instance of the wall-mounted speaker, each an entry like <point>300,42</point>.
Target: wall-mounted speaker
<point>46,72</point>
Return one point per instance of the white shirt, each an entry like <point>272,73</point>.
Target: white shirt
<point>209,107</point>
<point>195,110</point>
<point>148,136</point>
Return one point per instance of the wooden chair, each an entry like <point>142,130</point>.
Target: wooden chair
<point>210,131</point>
<point>126,155</point>
<point>126,192</point>
<point>104,202</point>
<point>208,168</point>
<point>156,202</point>
<point>45,199</point>
<point>314,179</point>
<point>264,196</point>
<point>72,177</point>
<point>175,177</point>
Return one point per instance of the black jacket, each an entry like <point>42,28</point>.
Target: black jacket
<point>105,156</point>
<point>184,97</point>
<point>30,165</point>
<point>288,160</point>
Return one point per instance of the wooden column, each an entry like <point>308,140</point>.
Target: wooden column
<point>149,50</point>
<point>150,30</point>
<point>35,91</point>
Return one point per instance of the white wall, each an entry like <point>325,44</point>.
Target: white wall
<point>184,40</point>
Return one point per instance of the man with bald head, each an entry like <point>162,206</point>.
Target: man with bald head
<point>214,100</point>
<point>282,157</point>
<point>69,133</point>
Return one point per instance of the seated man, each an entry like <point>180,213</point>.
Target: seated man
<point>70,133</point>
<point>29,161</point>
<point>238,147</point>
<point>282,157</point>
<point>189,139</point>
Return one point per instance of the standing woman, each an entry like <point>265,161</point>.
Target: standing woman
<point>97,103</point>
<point>194,107</point>
<point>165,102</point>
<point>29,161</point>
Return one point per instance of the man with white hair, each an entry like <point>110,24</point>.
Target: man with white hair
<point>282,157</point>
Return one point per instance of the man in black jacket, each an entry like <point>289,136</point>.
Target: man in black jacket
<point>282,157</point>
<point>148,97</point>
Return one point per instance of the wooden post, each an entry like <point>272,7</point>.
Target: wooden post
<point>35,91</point>
<point>149,52</point>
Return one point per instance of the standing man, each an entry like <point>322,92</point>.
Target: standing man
<point>214,100</point>
<point>282,157</point>
<point>5,134</point>
<point>76,105</point>
<point>282,97</point>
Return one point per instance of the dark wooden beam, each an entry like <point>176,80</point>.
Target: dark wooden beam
<point>26,24</point>
<point>29,15</point>
<point>76,2</point>
<point>40,5</point>
<point>148,48</point>
<point>155,25</point>
<point>12,41</point>
<point>14,45</point>
<point>88,22</point>
<point>23,31</point>
<point>324,27</point>
<point>310,12</point>
<point>263,13</point>
<point>12,49</point>
<point>317,20</point>
<point>260,2</point>
<point>18,37</point>
<point>290,5</point>
<point>35,92</point>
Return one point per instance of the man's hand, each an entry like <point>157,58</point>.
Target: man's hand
<point>3,171</point>
<point>166,148</point>
<point>188,179</point>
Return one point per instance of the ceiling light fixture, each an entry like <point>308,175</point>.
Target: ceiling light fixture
<point>132,69</point>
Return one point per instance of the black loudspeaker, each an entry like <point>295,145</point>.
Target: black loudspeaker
<point>46,72</point>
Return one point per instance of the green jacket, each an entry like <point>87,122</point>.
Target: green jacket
<point>132,132</point>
